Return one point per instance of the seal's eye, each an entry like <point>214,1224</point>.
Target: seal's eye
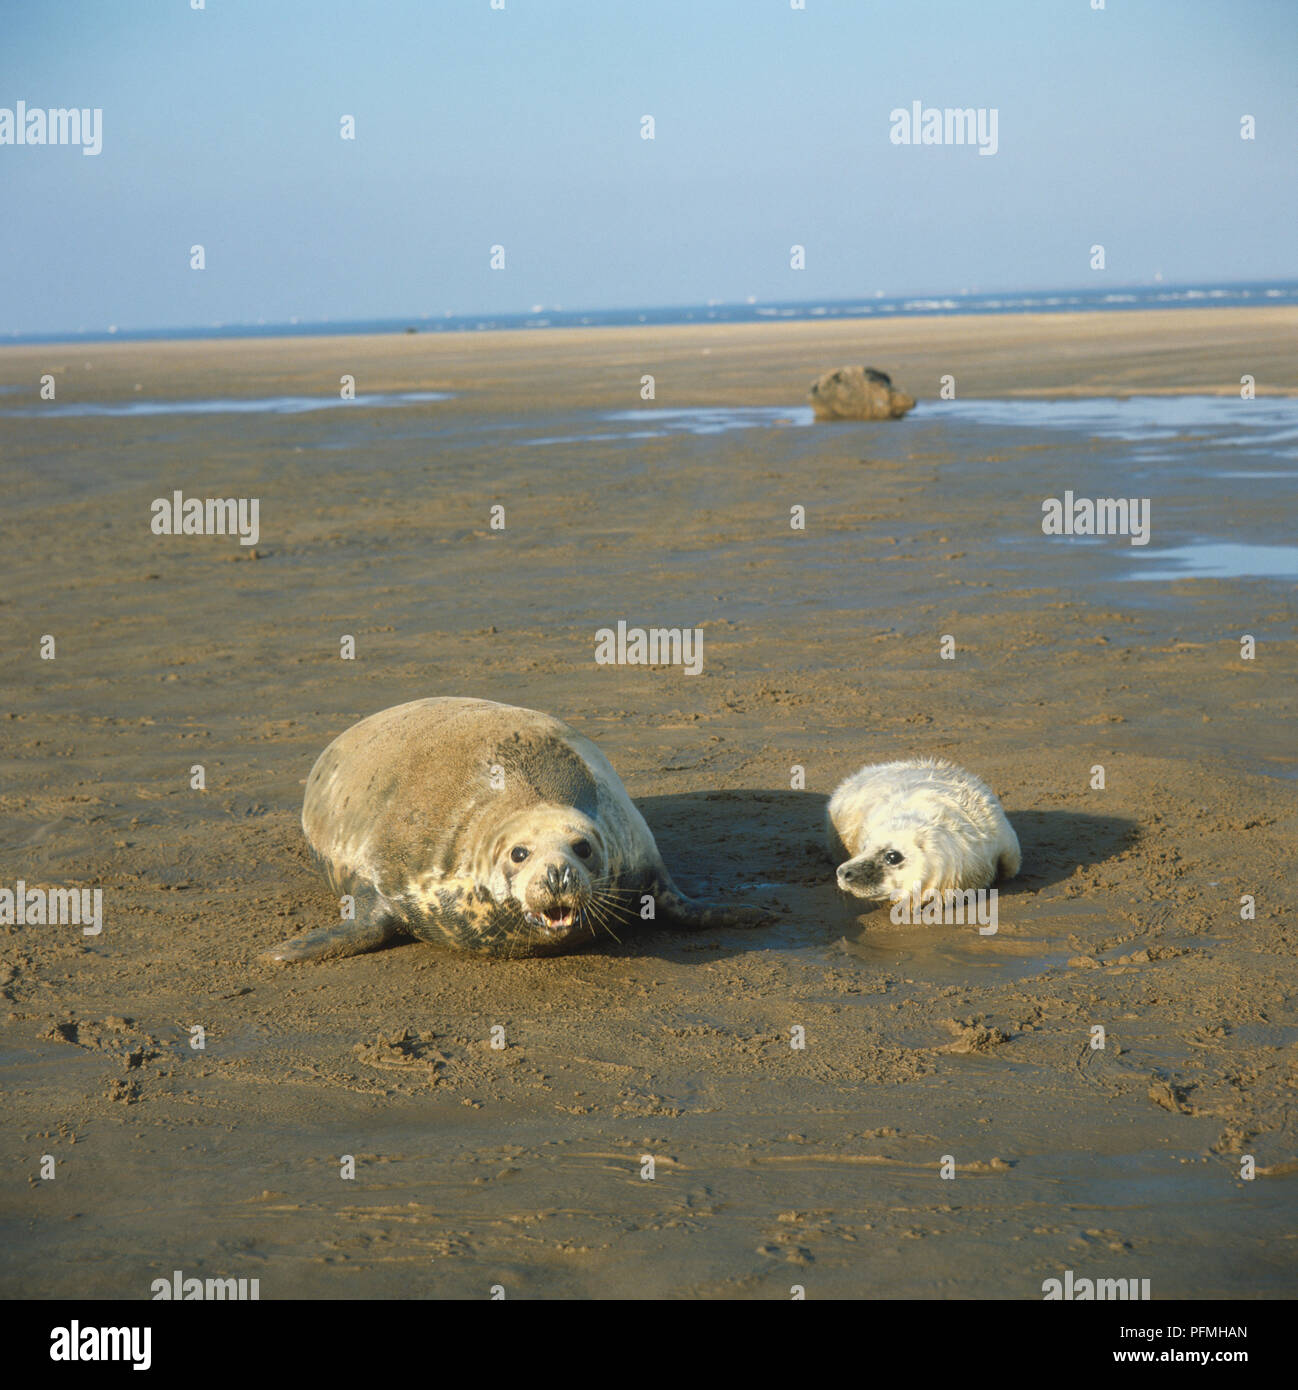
<point>894,857</point>
<point>519,853</point>
<point>582,849</point>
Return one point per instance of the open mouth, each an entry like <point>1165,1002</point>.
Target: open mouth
<point>557,918</point>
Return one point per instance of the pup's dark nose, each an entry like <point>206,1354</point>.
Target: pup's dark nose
<point>862,874</point>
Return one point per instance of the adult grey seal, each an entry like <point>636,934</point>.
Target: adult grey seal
<point>858,393</point>
<point>494,828</point>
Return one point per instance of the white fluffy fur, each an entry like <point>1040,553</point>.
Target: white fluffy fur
<point>947,825</point>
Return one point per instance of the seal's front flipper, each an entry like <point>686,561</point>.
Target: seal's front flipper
<point>693,914</point>
<point>372,928</point>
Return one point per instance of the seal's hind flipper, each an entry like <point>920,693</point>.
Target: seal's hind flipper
<point>1010,861</point>
<point>694,914</point>
<point>370,930</point>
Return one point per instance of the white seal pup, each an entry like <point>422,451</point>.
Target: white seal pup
<point>493,828</point>
<point>918,826</point>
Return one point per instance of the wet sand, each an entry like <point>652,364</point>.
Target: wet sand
<point>773,1166</point>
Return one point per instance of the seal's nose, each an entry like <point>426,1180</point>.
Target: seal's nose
<point>559,880</point>
<point>858,873</point>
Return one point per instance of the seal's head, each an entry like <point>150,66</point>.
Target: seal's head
<point>894,860</point>
<point>547,863</point>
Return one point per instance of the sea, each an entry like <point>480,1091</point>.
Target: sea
<point>877,306</point>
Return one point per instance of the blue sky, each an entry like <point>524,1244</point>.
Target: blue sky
<point>522,127</point>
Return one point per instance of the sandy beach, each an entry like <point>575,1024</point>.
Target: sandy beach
<point>774,1166</point>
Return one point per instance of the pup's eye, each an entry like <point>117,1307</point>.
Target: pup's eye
<point>894,857</point>
<point>582,849</point>
<point>519,853</point>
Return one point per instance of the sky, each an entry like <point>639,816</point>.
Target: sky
<point>521,127</point>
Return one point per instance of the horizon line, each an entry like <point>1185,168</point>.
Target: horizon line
<point>517,319</point>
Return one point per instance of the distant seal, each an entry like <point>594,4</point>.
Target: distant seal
<point>915,826</point>
<point>493,828</point>
<point>858,393</point>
